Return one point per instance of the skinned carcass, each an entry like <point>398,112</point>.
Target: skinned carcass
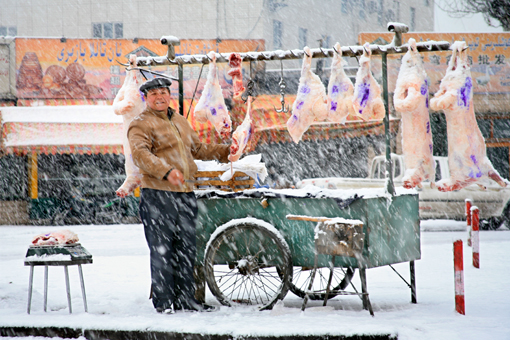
<point>467,154</point>
<point>411,99</point>
<point>311,100</point>
<point>367,101</point>
<point>241,135</point>
<point>340,90</point>
<point>211,105</point>
<point>55,237</point>
<point>129,103</point>
<point>236,72</point>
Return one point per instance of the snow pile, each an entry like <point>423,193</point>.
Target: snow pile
<point>118,285</point>
<point>48,257</point>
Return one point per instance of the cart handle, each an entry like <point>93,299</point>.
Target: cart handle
<point>322,219</point>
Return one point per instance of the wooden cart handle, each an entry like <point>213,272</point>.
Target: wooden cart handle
<point>308,218</point>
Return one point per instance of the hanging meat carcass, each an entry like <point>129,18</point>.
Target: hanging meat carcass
<point>467,154</point>
<point>411,99</point>
<point>236,72</point>
<point>129,103</point>
<point>311,100</point>
<point>367,100</point>
<point>211,105</point>
<point>241,135</point>
<point>340,90</point>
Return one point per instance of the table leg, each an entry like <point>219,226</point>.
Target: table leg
<point>413,282</point>
<point>68,289</point>
<point>45,302</point>
<point>83,288</point>
<point>30,282</point>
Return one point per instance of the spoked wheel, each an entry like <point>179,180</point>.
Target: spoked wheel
<point>301,279</point>
<point>248,262</point>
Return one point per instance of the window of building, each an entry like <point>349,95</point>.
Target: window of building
<point>277,34</point>
<point>397,9</point>
<point>108,30</point>
<point>426,3</point>
<point>345,6</point>
<point>362,9</point>
<point>380,13</point>
<point>412,20</point>
<point>302,37</point>
<point>8,31</point>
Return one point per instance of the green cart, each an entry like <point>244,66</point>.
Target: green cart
<point>252,254</point>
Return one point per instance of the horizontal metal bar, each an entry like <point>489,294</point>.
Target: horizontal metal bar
<point>347,51</point>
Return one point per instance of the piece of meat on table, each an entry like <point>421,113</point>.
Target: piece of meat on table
<point>211,105</point>
<point>411,99</point>
<point>236,72</point>
<point>311,100</point>
<point>56,237</point>
<point>467,154</point>
<point>340,90</point>
<point>367,100</point>
<point>129,103</point>
<point>241,135</point>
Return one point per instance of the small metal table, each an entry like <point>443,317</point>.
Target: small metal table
<point>57,255</point>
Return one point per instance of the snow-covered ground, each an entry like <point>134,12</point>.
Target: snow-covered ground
<point>118,283</point>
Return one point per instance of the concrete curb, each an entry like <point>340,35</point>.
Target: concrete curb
<point>94,334</point>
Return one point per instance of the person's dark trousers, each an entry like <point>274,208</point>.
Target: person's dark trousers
<point>169,220</point>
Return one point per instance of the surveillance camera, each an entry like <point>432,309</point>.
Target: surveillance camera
<point>170,40</point>
<point>397,27</point>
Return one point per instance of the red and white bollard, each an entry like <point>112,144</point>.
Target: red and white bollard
<point>469,203</point>
<point>458,264</point>
<point>475,239</point>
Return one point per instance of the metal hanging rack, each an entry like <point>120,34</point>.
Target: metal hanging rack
<point>395,47</point>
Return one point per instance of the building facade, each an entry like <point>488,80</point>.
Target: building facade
<point>283,24</point>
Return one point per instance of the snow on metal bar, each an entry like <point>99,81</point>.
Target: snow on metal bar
<point>347,51</point>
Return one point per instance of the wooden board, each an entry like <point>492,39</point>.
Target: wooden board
<point>211,180</point>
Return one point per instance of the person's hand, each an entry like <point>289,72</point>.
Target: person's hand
<point>175,177</point>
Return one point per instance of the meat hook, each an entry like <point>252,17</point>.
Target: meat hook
<point>334,49</point>
<point>355,55</point>
<point>249,91</point>
<point>282,93</point>
<point>127,65</point>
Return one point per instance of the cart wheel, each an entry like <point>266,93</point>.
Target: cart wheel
<point>301,279</point>
<point>248,262</point>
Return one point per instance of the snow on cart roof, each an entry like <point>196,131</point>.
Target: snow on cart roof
<point>83,129</point>
<point>309,191</point>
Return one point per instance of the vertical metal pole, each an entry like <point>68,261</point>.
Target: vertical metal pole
<point>181,89</point>
<point>45,298</point>
<point>331,271</point>
<point>83,288</point>
<point>312,278</point>
<point>68,289</point>
<point>390,188</point>
<point>30,284</point>
<point>364,290</point>
<point>413,282</point>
